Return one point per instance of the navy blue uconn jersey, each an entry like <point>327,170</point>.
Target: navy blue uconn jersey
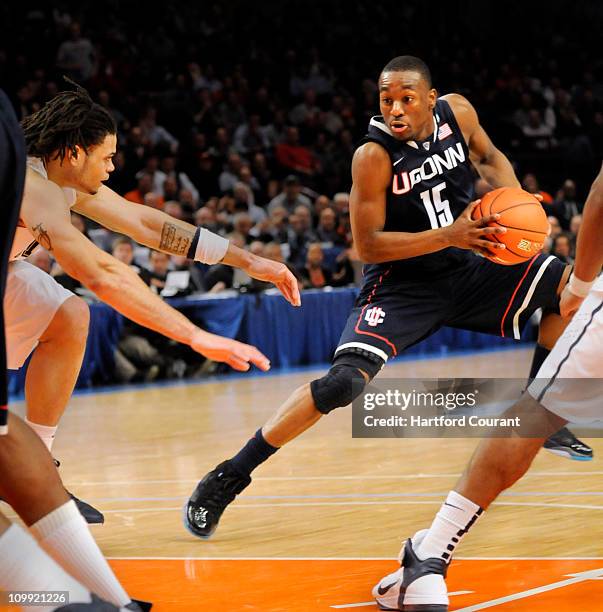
<point>432,183</point>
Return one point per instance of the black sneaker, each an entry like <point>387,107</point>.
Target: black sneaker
<point>92,515</point>
<point>565,444</point>
<point>96,605</point>
<point>137,605</point>
<point>209,500</point>
<point>100,605</point>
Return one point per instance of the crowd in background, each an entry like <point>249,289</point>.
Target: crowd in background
<point>244,120</point>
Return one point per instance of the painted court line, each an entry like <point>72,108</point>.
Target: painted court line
<point>104,483</point>
<point>348,559</point>
<point>357,503</point>
<point>309,496</point>
<point>372,603</point>
<point>581,577</point>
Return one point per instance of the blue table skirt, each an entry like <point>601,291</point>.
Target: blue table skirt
<point>288,336</point>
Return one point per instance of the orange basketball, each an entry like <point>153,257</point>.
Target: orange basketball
<point>523,216</point>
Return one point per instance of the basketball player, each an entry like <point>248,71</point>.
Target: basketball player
<point>29,480</point>
<point>557,395</point>
<point>410,207</point>
<point>70,143</point>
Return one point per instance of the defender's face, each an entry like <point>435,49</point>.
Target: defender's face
<point>95,167</point>
<point>406,104</point>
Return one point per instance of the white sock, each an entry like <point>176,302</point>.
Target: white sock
<point>45,432</point>
<point>452,522</point>
<point>24,566</point>
<point>65,535</point>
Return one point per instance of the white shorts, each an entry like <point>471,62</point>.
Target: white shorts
<point>31,300</point>
<point>570,381</point>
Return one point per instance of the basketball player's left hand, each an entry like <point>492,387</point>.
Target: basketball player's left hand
<point>569,303</point>
<point>277,273</point>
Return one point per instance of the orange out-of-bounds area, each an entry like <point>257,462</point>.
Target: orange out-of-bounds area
<point>306,585</point>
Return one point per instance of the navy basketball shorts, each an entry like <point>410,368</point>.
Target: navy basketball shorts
<point>12,177</point>
<point>391,316</point>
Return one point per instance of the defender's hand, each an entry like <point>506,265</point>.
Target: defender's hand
<point>569,303</point>
<point>236,354</point>
<point>467,233</point>
<point>277,273</point>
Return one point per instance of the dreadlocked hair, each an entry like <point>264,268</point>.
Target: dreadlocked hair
<point>70,119</point>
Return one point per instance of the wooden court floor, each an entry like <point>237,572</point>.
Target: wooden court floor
<point>325,517</point>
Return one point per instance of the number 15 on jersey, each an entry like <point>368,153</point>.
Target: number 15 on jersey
<point>438,210</point>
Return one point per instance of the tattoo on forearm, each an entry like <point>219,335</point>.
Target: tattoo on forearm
<point>175,239</point>
<point>41,235</point>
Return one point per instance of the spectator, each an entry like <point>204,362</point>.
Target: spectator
<point>321,202</point>
<point>156,135</point>
<point>327,229</point>
<point>293,156</point>
<point>145,185</point>
<point>291,196</point>
<point>76,57</point>
<point>279,226</point>
<point>314,274</point>
<point>565,205</point>
<point>230,175</point>
<point>305,109</point>
<point>301,235</point>
<point>554,230</point>
<point>206,217</point>
<point>539,135</point>
<point>242,223</point>
<point>159,266</point>
<point>562,248</point>
<point>205,176</point>
<point>136,359</point>
<point>574,228</point>
<point>341,201</point>
<point>243,197</point>
<point>169,169</point>
<point>249,138</point>
<point>530,184</point>
<point>276,131</point>
<point>174,209</point>
<point>154,200</point>
<point>171,189</point>
<point>151,167</point>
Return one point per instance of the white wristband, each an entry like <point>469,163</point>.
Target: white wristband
<point>579,287</point>
<point>211,248</point>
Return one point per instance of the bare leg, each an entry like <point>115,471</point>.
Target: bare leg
<point>551,327</point>
<point>30,482</point>
<point>297,414</point>
<point>498,463</point>
<point>56,363</point>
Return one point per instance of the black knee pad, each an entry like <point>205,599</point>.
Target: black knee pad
<point>344,382</point>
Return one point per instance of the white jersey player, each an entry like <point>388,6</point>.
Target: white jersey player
<point>70,143</point>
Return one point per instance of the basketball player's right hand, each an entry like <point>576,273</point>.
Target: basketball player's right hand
<point>469,233</point>
<point>237,355</point>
